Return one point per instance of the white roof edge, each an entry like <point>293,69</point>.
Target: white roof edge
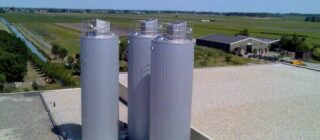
<point>256,39</point>
<point>244,39</point>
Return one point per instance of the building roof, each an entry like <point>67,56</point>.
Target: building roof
<point>255,102</point>
<point>263,102</point>
<point>24,117</point>
<point>234,39</point>
<point>223,38</point>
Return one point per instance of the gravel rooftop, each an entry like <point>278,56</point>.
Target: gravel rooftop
<point>247,102</point>
<point>256,102</point>
<point>65,107</point>
<point>23,117</point>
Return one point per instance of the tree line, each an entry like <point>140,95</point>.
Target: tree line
<point>54,71</point>
<point>253,14</point>
<point>297,42</point>
<point>13,58</point>
<point>244,32</point>
<point>312,19</point>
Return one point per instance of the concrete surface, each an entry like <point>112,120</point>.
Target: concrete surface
<point>23,117</point>
<point>313,65</point>
<point>67,113</point>
<point>65,107</point>
<point>256,102</point>
<point>247,102</point>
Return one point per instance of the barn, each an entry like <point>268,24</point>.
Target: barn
<point>237,44</point>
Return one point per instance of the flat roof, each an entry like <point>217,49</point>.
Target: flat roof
<point>256,102</point>
<point>247,102</point>
<point>65,107</point>
<point>24,117</point>
<point>67,112</point>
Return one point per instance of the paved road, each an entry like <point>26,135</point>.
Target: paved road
<point>313,66</point>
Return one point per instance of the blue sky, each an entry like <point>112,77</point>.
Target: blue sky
<point>281,6</point>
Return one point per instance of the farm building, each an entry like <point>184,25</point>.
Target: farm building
<point>237,44</point>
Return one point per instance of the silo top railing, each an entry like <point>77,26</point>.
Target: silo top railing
<point>178,31</point>
<point>148,27</point>
<point>96,28</point>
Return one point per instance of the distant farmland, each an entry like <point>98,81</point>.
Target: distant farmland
<point>55,28</point>
<point>78,26</point>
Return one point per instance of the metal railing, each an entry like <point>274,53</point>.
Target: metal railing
<point>178,31</point>
<point>95,28</point>
<point>145,27</point>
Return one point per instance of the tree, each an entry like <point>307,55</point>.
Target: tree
<point>2,78</point>
<point>308,18</point>
<point>315,19</point>
<point>35,85</point>
<point>123,47</point>
<point>70,60</point>
<point>76,67</point>
<point>55,49</point>
<point>312,19</point>
<point>2,81</point>
<point>244,32</point>
<point>13,57</point>
<point>316,53</point>
<point>63,53</point>
<point>316,46</point>
<point>294,43</point>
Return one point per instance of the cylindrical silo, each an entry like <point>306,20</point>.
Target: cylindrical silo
<point>139,59</point>
<point>99,55</point>
<point>171,84</point>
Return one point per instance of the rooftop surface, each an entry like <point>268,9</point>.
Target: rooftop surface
<point>225,39</point>
<point>23,117</point>
<point>256,102</point>
<point>65,107</point>
<point>247,102</point>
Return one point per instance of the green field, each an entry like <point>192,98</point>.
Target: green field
<point>43,25</point>
<point>54,34</point>
<point>43,30</point>
<point>210,57</point>
<point>4,27</point>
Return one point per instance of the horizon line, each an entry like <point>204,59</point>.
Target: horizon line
<point>157,10</point>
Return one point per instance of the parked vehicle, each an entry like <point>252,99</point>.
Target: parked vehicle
<point>297,62</point>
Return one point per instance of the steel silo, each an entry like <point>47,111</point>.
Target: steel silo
<point>139,59</point>
<point>171,83</point>
<point>99,55</point>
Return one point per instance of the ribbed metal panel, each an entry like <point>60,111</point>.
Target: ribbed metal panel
<point>99,87</point>
<point>171,89</point>
<point>139,59</point>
